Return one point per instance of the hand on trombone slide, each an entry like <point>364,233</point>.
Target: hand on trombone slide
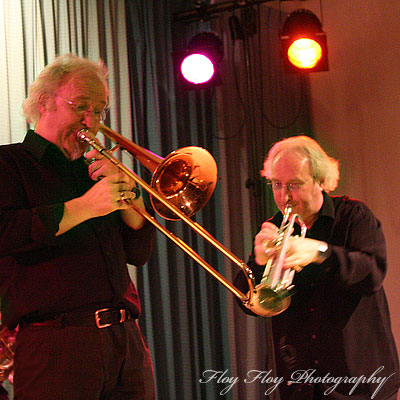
<point>299,253</point>
<point>111,193</point>
<point>118,187</point>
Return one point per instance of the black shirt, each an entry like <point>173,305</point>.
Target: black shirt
<point>42,274</point>
<point>338,323</point>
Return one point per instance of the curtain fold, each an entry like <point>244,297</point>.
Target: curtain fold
<point>258,104</point>
<point>12,73</point>
<point>33,32</point>
<point>184,309</point>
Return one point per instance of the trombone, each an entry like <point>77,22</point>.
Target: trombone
<point>181,185</point>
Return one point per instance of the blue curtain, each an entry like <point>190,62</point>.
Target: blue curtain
<point>184,310</point>
<point>191,321</point>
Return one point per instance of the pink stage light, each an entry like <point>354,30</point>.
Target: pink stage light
<point>197,68</point>
<point>199,65</point>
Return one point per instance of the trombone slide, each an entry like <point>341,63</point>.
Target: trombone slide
<point>83,136</point>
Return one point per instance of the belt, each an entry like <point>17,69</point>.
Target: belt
<point>101,318</point>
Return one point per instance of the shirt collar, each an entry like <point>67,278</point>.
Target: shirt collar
<point>38,145</point>
<point>328,208</point>
<point>41,147</point>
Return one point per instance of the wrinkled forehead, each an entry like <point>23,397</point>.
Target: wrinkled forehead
<point>86,85</point>
<point>291,162</point>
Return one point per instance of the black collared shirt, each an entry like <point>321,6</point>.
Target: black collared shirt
<point>338,323</point>
<point>42,274</point>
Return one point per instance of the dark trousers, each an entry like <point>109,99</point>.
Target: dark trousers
<point>83,363</point>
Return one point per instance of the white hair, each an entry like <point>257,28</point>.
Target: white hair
<point>55,75</point>
<point>324,169</point>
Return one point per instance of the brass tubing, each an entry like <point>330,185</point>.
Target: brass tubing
<point>146,157</point>
<point>196,227</point>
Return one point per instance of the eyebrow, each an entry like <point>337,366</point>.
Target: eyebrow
<point>85,98</point>
<point>290,181</point>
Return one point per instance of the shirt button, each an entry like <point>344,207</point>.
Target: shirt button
<point>314,336</point>
<point>316,362</point>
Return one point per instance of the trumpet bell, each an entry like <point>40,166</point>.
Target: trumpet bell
<point>269,302</point>
<point>187,178</point>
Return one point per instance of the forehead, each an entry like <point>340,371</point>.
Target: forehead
<point>84,86</point>
<point>290,166</point>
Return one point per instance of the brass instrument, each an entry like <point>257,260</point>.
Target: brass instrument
<point>273,292</point>
<point>7,345</point>
<point>181,185</point>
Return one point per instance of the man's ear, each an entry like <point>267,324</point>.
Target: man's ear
<point>321,184</point>
<point>45,102</point>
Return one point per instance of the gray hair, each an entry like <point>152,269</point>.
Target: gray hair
<point>324,169</point>
<point>55,75</point>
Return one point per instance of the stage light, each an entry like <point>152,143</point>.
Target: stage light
<point>303,43</point>
<point>197,68</point>
<point>199,65</point>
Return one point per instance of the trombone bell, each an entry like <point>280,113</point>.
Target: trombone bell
<point>187,178</point>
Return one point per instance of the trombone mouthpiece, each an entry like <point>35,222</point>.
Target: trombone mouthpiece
<point>81,135</point>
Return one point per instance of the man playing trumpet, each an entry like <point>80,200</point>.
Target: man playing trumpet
<point>337,325</point>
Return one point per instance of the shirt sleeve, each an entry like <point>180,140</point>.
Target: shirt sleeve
<point>358,251</point>
<point>23,227</point>
<point>138,244</point>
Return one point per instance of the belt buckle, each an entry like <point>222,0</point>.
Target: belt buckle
<point>97,318</point>
<point>122,313</point>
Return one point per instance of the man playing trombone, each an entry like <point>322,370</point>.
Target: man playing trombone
<point>66,235</point>
<point>334,341</point>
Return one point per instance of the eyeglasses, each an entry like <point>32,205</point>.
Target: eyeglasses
<point>292,186</point>
<point>82,108</point>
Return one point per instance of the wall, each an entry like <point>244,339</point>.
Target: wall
<point>356,113</point>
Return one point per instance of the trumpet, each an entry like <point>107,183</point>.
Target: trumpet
<point>181,185</point>
<point>273,292</point>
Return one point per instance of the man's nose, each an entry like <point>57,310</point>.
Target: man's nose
<point>286,194</point>
<point>90,120</point>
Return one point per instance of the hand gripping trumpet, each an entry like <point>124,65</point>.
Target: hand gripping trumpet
<point>181,185</point>
<point>273,292</point>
